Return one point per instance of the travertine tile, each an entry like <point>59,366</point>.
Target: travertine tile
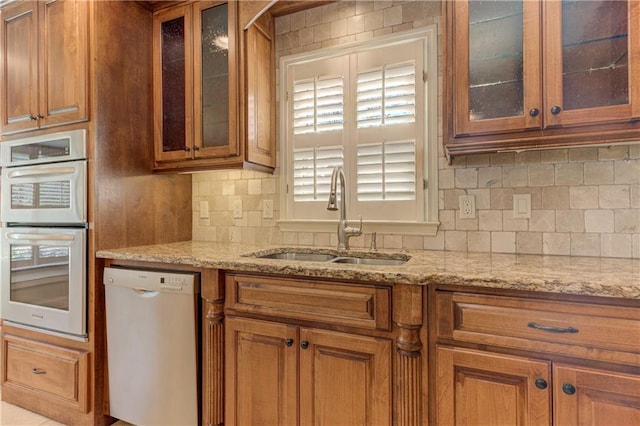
<point>374,20</point>
<point>392,16</point>
<point>555,197</point>
<point>297,20</point>
<point>635,196</point>
<point>321,32</point>
<point>502,198</point>
<point>515,176</point>
<point>455,240</point>
<point>447,220</point>
<point>554,156</point>
<point>446,179</point>
<point>511,224</point>
<point>412,242</point>
<point>627,221</point>
<point>614,152</point>
<point>616,245</point>
<point>434,243</point>
<point>283,25</point>
<point>339,28</point>
<point>627,171</point>
<point>583,197</point>
<point>355,24</point>
<point>482,197</point>
<point>636,245</point>
<point>490,177</point>
<point>542,221</point>
<point>614,196</point>
<point>527,157</point>
<point>570,220</point>
<point>556,243</point>
<point>585,244</point>
<point>466,178</point>
<point>541,174</point>
<point>598,173</point>
<point>569,173</point>
<point>479,241</point>
<point>529,242</point>
<point>490,220</point>
<point>503,242</point>
<point>599,221</point>
<point>583,154</point>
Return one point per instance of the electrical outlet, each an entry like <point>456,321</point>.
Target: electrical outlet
<point>467,206</point>
<point>267,209</point>
<point>237,209</point>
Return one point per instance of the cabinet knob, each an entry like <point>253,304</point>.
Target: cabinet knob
<point>187,149</point>
<point>534,112</point>
<point>288,342</point>
<point>304,344</point>
<point>33,117</point>
<point>38,371</point>
<point>196,148</point>
<point>39,116</point>
<point>569,389</point>
<point>555,110</point>
<point>541,383</point>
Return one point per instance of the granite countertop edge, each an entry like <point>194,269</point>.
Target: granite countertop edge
<point>591,276</point>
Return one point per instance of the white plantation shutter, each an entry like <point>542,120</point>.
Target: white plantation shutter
<point>387,171</point>
<point>362,106</point>
<point>312,170</point>
<point>318,105</point>
<point>386,95</point>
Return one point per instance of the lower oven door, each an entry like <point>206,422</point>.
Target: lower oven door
<point>43,273</point>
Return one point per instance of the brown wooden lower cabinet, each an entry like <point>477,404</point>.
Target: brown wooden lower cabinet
<point>343,378</point>
<point>533,361</point>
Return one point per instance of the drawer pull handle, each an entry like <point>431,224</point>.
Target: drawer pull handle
<point>552,329</point>
<point>38,371</point>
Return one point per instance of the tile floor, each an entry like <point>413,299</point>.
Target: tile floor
<point>11,415</point>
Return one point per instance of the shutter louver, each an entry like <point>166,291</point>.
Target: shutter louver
<point>387,96</point>
<point>312,170</point>
<point>387,171</point>
<point>318,105</point>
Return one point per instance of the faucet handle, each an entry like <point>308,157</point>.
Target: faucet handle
<point>373,245</point>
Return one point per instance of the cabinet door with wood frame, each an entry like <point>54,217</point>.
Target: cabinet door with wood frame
<point>44,64</point>
<point>261,370</point>
<point>530,74</point>
<point>474,388</point>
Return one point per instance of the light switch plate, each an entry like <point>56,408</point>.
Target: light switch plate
<point>267,209</point>
<point>522,206</point>
<point>204,210</point>
<point>237,209</point>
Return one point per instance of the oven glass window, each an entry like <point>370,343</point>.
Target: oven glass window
<point>45,195</point>
<point>41,150</point>
<point>40,275</point>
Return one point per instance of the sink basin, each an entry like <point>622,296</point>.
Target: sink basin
<point>369,261</point>
<point>294,255</point>
<point>330,256</point>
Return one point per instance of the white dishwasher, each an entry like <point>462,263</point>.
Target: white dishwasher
<point>152,342</point>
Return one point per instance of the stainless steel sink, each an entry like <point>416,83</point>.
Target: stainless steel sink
<point>335,257</point>
<point>368,261</point>
<point>294,255</point>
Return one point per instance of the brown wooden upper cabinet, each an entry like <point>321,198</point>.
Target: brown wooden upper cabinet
<point>213,89</point>
<point>43,64</point>
<point>532,74</point>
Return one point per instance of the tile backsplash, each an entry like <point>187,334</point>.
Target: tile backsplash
<point>584,201</point>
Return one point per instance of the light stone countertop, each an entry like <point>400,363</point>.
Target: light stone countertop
<point>593,276</point>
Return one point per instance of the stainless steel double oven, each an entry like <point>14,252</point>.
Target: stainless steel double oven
<point>43,245</point>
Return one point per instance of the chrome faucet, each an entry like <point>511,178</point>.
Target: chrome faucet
<point>344,230</point>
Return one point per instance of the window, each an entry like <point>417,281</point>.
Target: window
<point>371,108</point>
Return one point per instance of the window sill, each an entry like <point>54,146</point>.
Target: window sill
<point>427,229</point>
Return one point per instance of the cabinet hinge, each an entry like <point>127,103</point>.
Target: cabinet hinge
<point>424,76</point>
<point>424,183</point>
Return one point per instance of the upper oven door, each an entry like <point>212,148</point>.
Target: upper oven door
<point>45,194</point>
<point>49,148</point>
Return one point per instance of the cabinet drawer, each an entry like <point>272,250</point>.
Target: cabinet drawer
<point>346,304</point>
<point>582,329</point>
<point>46,370</point>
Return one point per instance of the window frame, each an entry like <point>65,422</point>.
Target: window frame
<point>426,223</point>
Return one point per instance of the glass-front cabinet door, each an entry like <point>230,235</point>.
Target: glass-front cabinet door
<point>579,56</point>
<point>589,51</point>
<point>194,71</point>
<point>497,70</point>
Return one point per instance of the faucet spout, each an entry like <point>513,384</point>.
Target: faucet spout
<point>344,230</point>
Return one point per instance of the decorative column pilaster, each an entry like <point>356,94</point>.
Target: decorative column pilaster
<point>212,349</point>
<point>407,316</point>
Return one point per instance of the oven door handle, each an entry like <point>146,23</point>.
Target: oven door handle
<point>39,237</point>
<point>43,171</point>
